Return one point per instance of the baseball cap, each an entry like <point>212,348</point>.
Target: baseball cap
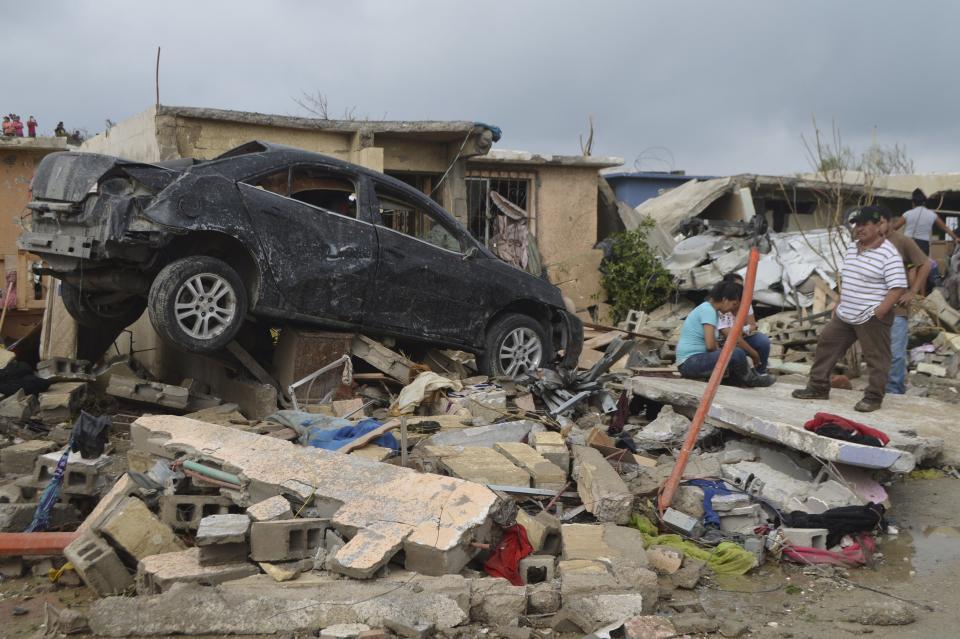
<point>865,214</point>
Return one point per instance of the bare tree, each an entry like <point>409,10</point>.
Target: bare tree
<point>587,149</point>
<point>317,105</point>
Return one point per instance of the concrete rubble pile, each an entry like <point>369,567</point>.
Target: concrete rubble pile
<point>416,498</point>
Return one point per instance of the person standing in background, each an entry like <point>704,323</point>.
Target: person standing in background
<point>32,127</point>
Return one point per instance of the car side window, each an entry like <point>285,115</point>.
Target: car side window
<point>323,189</point>
<point>313,186</point>
<point>413,219</point>
<point>275,182</point>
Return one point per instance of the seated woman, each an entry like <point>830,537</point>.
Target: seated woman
<point>755,344</point>
<point>698,349</point>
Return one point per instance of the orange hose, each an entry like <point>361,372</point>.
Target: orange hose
<point>670,487</point>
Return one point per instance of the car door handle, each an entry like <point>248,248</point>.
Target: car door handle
<point>335,252</point>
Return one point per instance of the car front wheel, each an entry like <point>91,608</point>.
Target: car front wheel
<point>198,303</point>
<point>515,344</point>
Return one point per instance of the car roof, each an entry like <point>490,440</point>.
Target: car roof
<point>252,158</point>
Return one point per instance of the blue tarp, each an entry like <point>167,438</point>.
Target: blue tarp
<point>331,433</point>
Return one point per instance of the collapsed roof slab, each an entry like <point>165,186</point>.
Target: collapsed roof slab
<point>917,427</point>
<point>432,518</point>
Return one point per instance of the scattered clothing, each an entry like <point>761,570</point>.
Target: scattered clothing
<point>856,554</point>
<point>726,559</point>
<point>504,562</point>
<point>841,428</point>
<point>710,489</point>
<point>330,433</point>
<point>845,520</point>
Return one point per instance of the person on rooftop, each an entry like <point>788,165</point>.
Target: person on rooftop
<point>31,127</point>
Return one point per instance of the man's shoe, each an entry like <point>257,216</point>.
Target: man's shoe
<point>810,393</point>
<point>867,405</point>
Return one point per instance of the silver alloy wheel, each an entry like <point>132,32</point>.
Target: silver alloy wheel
<point>520,351</point>
<point>205,305</point>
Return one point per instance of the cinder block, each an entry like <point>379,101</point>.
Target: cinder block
<point>551,445</point>
<point>132,527</point>
<point>98,565</point>
<point>543,473</point>
<point>535,569</point>
<point>286,539</point>
<point>19,459</point>
<point>543,530</point>
<point>184,512</point>
<point>807,537</point>
<point>271,509</point>
<point>81,476</point>
<point>18,406</point>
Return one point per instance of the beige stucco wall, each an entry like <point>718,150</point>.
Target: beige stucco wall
<point>414,155</point>
<point>133,139</point>
<point>205,139</point>
<point>566,211</point>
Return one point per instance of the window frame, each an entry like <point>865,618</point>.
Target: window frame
<point>418,201</point>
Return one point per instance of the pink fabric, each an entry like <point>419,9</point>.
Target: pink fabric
<point>856,554</point>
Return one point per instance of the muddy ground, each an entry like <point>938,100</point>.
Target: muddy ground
<point>920,564</point>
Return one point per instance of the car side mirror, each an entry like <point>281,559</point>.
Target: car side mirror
<point>470,253</point>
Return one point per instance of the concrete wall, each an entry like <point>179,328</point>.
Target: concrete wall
<point>566,211</point>
<point>204,139</point>
<point>134,139</point>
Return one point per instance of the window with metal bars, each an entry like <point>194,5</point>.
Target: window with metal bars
<point>481,210</point>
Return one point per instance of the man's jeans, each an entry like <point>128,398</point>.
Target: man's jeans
<point>760,343</point>
<point>896,382</point>
<point>701,365</point>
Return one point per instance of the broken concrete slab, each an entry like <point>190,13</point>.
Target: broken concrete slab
<point>496,602</point>
<point>19,459</point>
<point>18,406</point>
<point>265,607</point>
<point>919,429</point>
<point>606,542</point>
<point>132,527</point>
<point>440,515</point>
<point>479,464</point>
<point>543,473</point>
<point>603,492</point>
<point>140,390</point>
<point>159,573</point>
<point>485,436</point>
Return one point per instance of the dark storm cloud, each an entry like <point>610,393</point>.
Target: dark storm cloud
<point>727,87</point>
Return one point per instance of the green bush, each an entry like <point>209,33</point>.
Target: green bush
<point>634,278</point>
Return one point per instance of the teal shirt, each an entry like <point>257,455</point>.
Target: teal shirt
<point>691,335</point>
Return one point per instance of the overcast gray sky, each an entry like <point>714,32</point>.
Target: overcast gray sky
<point>727,86</point>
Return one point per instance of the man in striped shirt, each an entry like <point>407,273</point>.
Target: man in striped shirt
<point>872,279</point>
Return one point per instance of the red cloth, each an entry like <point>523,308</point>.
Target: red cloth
<point>856,554</point>
<point>32,128</point>
<point>826,418</point>
<point>505,560</point>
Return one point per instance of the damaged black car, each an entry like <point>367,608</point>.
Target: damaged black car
<point>280,235</point>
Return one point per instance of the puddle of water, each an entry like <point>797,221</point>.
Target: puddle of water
<point>921,551</point>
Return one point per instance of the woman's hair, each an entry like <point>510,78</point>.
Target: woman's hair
<point>919,197</point>
<point>733,277</point>
<point>723,291</point>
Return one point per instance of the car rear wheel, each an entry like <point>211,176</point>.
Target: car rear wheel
<point>198,303</point>
<point>98,309</point>
<point>515,344</point>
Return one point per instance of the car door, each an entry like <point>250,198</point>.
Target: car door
<point>426,284</point>
<point>320,254</point>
